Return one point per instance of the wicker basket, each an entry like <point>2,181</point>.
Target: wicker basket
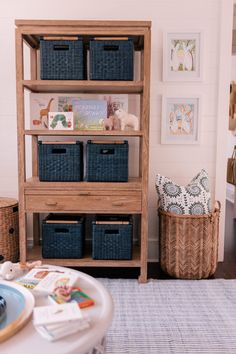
<point>63,236</point>
<point>107,162</point>
<point>9,230</point>
<point>62,59</point>
<point>189,244</point>
<point>61,161</point>
<point>111,59</point>
<point>112,237</point>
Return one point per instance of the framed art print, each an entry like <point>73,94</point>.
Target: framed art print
<point>182,56</point>
<point>180,120</point>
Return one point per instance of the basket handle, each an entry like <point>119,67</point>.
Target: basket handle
<point>61,47</point>
<point>111,232</point>
<point>110,47</point>
<point>107,151</point>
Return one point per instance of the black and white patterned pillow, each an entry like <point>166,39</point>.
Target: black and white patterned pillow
<point>194,199</point>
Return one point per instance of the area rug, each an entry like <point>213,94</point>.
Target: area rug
<point>172,316</point>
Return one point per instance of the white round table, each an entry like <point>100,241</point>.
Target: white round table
<point>90,340</point>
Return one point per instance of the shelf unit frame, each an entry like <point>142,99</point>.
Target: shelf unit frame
<point>130,197</point>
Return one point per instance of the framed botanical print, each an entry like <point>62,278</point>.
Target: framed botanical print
<point>180,120</point>
<point>182,56</point>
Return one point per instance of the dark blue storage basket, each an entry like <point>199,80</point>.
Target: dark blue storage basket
<point>63,240</point>
<point>107,162</point>
<point>61,60</point>
<point>60,162</point>
<point>111,59</point>
<point>112,240</point>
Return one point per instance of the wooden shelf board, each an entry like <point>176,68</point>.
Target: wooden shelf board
<point>134,183</point>
<point>83,86</point>
<point>35,253</point>
<point>125,133</point>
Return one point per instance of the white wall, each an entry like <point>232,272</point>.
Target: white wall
<point>180,162</point>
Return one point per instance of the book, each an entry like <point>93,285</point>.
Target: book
<point>54,280</point>
<point>71,294</point>
<point>34,276</point>
<point>45,280</point>
<point>60,121</point>
<point>40,105</point>
<point>47,315</point>
<point>54,322</point>
<point>89,114</point>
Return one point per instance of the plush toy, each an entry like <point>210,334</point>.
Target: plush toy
<point>112,123</point>
<point>127,119</point>
<point>10,271</point>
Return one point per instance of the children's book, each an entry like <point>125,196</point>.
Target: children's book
<point>54,280</point>
<point>34,276</point>
<point>71,294</point>
<point>45,280</point>
<point>89,114</point>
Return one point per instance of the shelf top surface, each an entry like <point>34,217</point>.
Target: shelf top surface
<point>134,183</point>
<point>84,86</point>
<point>82,23</point>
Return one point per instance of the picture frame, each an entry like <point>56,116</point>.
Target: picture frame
<point>181,120</point>
<point>183,56</point>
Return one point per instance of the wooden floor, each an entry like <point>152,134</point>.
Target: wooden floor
<point>226,269</point>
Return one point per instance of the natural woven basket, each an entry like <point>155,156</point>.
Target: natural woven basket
<point>189,244</point>
<point>9,230</point>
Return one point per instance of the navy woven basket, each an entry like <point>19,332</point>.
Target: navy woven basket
<point>63,240</point>
<point>112,240</point>
<point>107,162</point>
<point>61,60</point>
<point>111,60</point>
<point>60,162</point>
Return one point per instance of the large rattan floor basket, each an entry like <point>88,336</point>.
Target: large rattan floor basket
<point>9,230</point>
<point>189,244</point>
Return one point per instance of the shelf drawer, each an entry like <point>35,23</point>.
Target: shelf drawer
<point>84,203</point>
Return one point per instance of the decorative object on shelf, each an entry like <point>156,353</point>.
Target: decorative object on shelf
<point>60,161</point>
<point>112,123</point>
<point>107,161</point>
<point>60,121</point>
<point>112,237</point>
<point>180,120</point>
<point>111,59</point>
<point>62,59</point>
<point>127,120</point>
<point>231,168</point>
<point>63,236</point>
<point>189,244</point>
<point>194,199</point>
<point>10,271</point>
<point>182,56</point>
<point>9,230</point>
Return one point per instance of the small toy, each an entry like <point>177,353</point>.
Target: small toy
<point>127,119</point>
<point>10,271</point>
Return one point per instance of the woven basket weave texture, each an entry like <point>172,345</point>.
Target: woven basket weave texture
<point>61,60</point>
<point>111,60</point>
<point>9,230</point>
<point>60,162</point>
<point>112,241</point>
<point>189,244</point>
<point>63,240</point>
<point>107,162</point>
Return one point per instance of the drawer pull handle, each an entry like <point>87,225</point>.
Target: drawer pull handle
<point>51,204</point>
<point>84,193</point>
<point>117,204</point>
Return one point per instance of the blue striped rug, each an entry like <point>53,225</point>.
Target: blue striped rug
<point>172,316</point>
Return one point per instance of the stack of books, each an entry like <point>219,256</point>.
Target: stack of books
<point>64,316</point>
